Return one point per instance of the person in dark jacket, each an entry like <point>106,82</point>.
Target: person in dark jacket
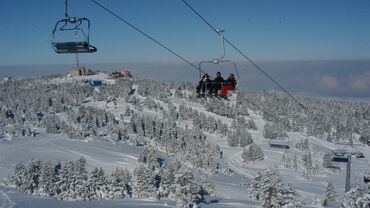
<point>229,85</point>
<point>217,83</point>
<point>204,84</point>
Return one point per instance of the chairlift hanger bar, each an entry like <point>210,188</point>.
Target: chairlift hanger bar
<point>221,58</point>
<point>66,8</point>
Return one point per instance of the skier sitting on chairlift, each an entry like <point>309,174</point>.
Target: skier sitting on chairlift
<point>217,83</point>
<point>204,84</point>
<point>228,85</point>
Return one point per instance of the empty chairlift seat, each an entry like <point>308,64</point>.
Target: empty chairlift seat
<point>277,143</point>
<point>74,28</point>
<point>74,47</point>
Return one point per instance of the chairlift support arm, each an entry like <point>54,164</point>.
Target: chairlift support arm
<point>221,33</point>
<point>66,8</point>
<point>221,58</point>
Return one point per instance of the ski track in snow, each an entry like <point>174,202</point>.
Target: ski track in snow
<point>5,201</point>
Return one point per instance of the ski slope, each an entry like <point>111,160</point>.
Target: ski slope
<point>228,193</point>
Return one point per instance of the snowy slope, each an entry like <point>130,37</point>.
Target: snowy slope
<point>228,193</point>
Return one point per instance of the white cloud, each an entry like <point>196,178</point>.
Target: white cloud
<point>360,82</point>
<point>326,80</point>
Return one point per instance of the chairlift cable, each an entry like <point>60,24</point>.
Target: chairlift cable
<point>145,34</point>
<point>245,56</point>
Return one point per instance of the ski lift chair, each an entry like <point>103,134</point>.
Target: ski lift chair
<point>277,143</point>
<point>221,60</point>
<point>72,24</point>
<point>217,61</point>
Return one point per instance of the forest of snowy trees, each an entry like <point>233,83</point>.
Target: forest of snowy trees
<point>150,119</point>
<point>61,108</point>
<point>268,188</point>
<point>72,181</point>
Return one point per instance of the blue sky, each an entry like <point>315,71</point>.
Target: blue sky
<point>284,30</point>
<point>265,30</point>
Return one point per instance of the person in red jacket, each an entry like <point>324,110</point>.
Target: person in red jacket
<point>228,85</point>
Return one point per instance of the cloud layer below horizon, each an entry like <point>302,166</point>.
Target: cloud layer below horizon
<point>318,78</point>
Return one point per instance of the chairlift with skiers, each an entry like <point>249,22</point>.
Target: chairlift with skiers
<point>211,84</point>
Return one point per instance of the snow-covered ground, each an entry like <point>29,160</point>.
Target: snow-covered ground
<point>228,193</point>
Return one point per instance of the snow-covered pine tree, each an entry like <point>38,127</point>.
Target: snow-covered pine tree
<point>47,179</point>
<point>365,136</point>
<point>295,163</point>
<point>32,176</point>
<point>330,193</point>
<point>327,160</point>
<point>363,201</point>
<point>351,198</point>
<point>186,188</point>
<point>307,162</point>
<point>232,138</point>
<point>245,139</point>
<point>267,187</point>
<point>144,183</point>
<point>268,131</point>
<point>119,189</point>
<point>98,186</point>
<point>252,152</point>
<point>251,124</point>
<point>64,185</point>
<point>302,145</point>
<point>167,175</point>
<point>80,179</point>
<point>19,177</point>
<point>289,199</point>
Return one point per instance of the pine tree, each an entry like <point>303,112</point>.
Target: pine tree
<point>144,183</point>
<point>252,153</point>
<point>330,194</point>
<point>80,179</point>
<point>251,125</point>
<point>118,187</point>
<point>351,197</point>
<point>365,136</point>
<point>245,139</point>
<point>364,200</point>
<point>19,177</point>
<point>47,179</point>
<point>295,163</point>
<point>65,184</point>
<point>327,160</point>
<point>167,175</point>
<point>186,188</point>
<point>97,185</point>
<point>32,177</point>
<point>232,139</point>
<point>267,187</point>
<point>307,161</point>
<point>303,145</point>
<point>289,199</point>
